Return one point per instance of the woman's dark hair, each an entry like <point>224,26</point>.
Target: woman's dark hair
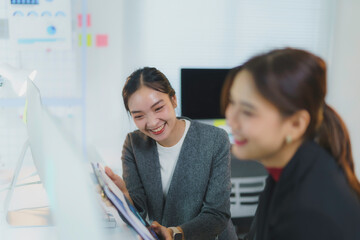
<point>293,80</point>
<point>149,77</point>
<point>225,91</point>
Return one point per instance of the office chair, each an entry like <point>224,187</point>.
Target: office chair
<point>248,181</point>
<point>245,194</point>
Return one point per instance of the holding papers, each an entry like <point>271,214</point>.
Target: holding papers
<point>124,208</point>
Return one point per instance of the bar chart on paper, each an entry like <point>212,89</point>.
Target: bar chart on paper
<point>24,1</point>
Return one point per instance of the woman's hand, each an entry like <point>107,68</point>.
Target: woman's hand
<point>163,232</point>
<point>119,183</point>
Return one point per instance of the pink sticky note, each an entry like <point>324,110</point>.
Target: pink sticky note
<point>88,20</point>
<point>101,40</point>
<point>79,20</point>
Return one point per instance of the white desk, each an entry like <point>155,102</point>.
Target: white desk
<point>34,195</point>
<point>8,232</point>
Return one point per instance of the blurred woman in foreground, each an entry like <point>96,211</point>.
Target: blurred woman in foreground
<point>275,106</point>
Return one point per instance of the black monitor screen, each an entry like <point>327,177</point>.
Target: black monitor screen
<point>200,92</point>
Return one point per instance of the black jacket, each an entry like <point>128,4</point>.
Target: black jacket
<point>311,200</point>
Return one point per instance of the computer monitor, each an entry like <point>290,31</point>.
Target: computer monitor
<point>201,92</point>
<point>63,171</point>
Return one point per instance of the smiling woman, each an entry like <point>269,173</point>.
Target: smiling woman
<point>275,106</point>
<point>176,171</point>
<point>154,114</point>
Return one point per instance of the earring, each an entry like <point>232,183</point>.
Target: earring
<point>288,139</point>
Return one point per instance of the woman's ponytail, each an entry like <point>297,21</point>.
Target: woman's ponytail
<point>334,137</point>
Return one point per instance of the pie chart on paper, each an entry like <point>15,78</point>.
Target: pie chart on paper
<point>51,30</point>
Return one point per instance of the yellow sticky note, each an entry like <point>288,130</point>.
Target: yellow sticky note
<point>219,122</point>
<point>80,40</point>
<point>88,40</point>
<point>25,112</point>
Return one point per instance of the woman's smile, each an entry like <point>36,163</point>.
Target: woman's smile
<point>159,130</point>
<point>240,142</point>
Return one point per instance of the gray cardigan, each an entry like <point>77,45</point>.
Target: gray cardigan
<point>198,198</point>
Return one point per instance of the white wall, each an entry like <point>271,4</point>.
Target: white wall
<point>106,118</point>
<point>344,82</point>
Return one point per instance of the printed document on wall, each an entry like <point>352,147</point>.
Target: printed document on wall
<point>44,25</point>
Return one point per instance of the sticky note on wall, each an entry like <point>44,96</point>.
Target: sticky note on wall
<point>80,40</point>
<point>88,20</point>
<point>88,40</point>
<point>102,40</point>
<point>80,20</point>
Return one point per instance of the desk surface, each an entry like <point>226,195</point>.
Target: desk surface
<point>50,232</point>
<point>34,195</point>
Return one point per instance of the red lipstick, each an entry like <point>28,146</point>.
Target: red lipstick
<point>240,143</point>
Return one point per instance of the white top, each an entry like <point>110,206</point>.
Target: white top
<point>168,157</point>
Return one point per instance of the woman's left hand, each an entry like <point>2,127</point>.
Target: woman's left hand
<point>119,182</point>
<point>163,232</point>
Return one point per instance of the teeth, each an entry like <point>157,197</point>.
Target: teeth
<point>157,129</point>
